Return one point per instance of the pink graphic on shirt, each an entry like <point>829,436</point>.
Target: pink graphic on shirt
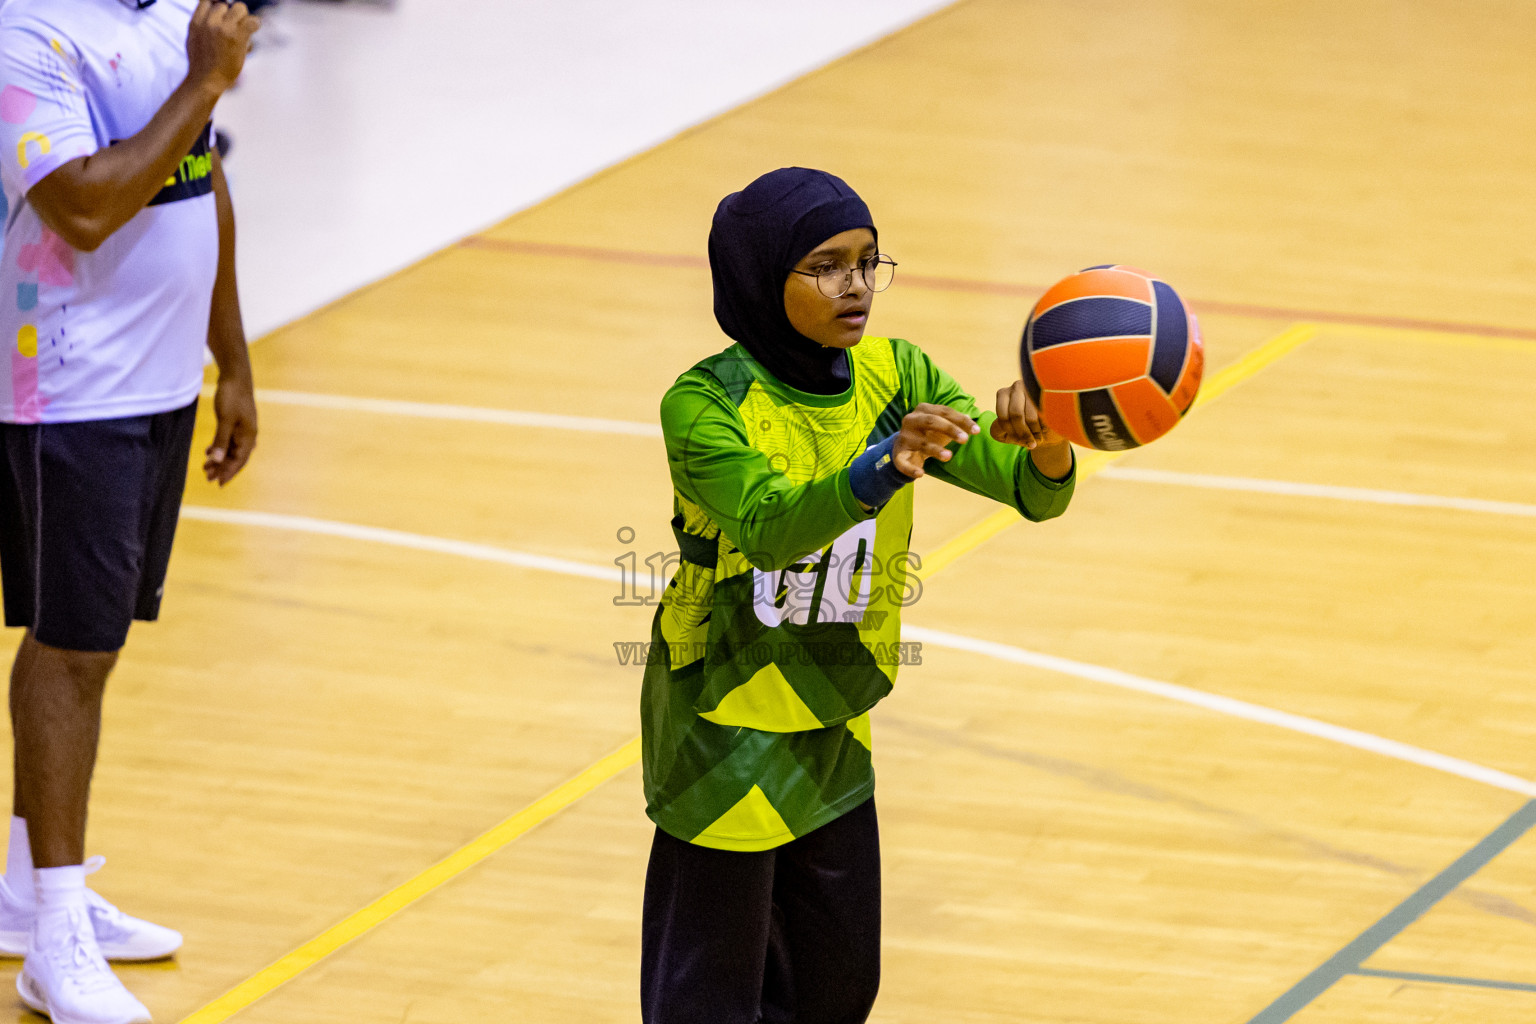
<point>51,259</point>
<point>16,105</point>
<point>26,403</point>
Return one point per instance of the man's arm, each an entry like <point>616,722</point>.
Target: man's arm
<point>87,199</point>
<point>234,402</point>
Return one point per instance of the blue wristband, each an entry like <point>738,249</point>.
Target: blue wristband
<point>873,476</point>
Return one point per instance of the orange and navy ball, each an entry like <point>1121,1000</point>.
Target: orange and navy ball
<point>1112,357</point>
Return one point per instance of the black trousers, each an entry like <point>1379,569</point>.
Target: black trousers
<point>786,935</point>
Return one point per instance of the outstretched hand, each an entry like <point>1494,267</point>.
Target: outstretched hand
<point>1019,421</point>
<point>925,433</point>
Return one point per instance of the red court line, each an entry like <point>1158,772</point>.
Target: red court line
<point>584,252</point>
<point>1028,291</point>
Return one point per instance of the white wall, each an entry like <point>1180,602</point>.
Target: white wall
<point>366,138</point>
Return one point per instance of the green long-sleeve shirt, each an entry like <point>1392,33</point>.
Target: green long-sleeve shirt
<point>781,627</point>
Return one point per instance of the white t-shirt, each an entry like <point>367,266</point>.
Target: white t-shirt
<point>119,331</point>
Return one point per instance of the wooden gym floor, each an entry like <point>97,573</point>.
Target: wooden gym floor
<point>1279,768</point>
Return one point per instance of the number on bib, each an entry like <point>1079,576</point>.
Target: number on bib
<point>830,585</point>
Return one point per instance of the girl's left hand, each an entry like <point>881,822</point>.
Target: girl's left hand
<point>1019,421</point>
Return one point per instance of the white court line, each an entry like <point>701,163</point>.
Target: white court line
<point>1286,487</point>
<point>400,539</point>
<point>462,413</point>
<point>589,424</point>
<point>1003,652</point>
<point>1226,706</point>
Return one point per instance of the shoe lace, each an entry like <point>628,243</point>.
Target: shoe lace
<point>79,957</point>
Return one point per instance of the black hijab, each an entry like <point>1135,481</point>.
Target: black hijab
<point>758,236</point>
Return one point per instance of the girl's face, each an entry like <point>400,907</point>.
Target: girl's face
<point>835,323</point>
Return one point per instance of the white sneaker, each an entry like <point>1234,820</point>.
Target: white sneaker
<point>119,936</point>
<point>16,919</point>
<point>65,977</point>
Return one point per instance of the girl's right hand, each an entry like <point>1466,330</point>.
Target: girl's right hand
<point>925,431</point>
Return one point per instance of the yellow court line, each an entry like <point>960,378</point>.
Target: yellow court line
<point>1090,462</point>
<point>359,923</point>
<point>355,925</point>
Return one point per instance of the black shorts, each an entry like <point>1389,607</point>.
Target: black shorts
<point>87,515</point>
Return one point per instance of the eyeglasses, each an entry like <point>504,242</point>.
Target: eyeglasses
<point>835,279</point>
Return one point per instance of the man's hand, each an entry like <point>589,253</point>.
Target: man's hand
<point>217,42</point>
<point>1019,422</point>
<point>234,406</point>
<point>87,200</point>
<point>925,432</point>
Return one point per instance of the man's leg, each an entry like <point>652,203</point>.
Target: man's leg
<point>87,494</point>
<point>18,582</point>
<point>18,894</point>
<point>98,516</point>
<point>19,670</point>
<point>18,588</point>
<point>56,724</point>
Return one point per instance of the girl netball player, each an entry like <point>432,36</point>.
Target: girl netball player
<point>791,454</point>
